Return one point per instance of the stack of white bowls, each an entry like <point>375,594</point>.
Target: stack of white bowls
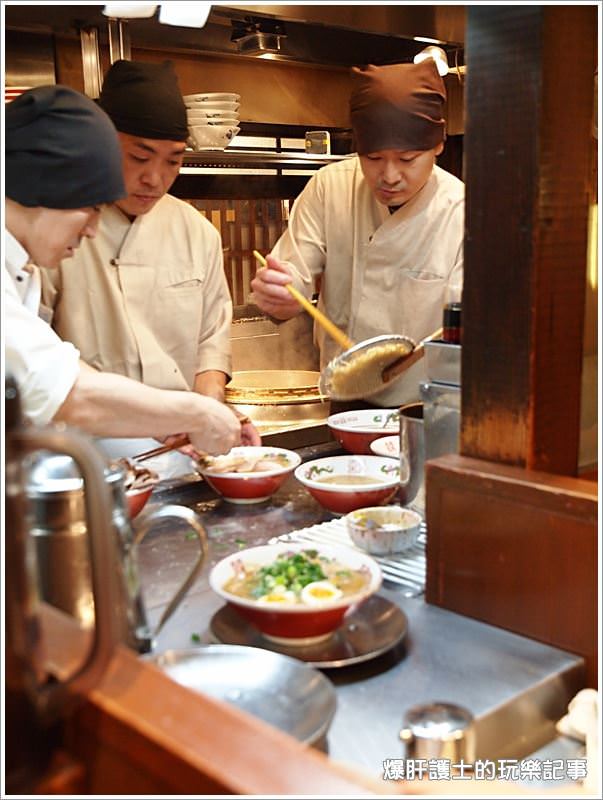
<point>213,119</point>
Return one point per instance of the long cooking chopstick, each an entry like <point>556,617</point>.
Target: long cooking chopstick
<point>340,337</point>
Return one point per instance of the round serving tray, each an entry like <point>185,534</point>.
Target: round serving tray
<point>282,691</point>
<point>374,628</point>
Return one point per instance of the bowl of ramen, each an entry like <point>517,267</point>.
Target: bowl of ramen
<point>249,474</point>
<point>344,483</point>
<point>384,530</point>
<point>355,430</point>
<point>139,483</point>
<point>296,594</point>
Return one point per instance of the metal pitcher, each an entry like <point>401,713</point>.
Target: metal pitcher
<point>58,526</point>
<point>34,698</point>
<point>412,456</point>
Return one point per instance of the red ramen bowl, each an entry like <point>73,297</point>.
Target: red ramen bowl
<point>344,483</point>
<point>273,467</point>
<point>295,616</point>
<point>137,499</point>
<point>355,430</point>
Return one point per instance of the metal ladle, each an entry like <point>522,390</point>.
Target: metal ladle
<point>365,368</point>
<point>370,366</point>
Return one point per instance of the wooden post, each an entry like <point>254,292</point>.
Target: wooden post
<point>510,541</point>
<point>528,145</point>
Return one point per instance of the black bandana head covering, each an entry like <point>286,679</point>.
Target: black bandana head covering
<point>397,107</point>
<point>61,151</point>
<point>144,100</point>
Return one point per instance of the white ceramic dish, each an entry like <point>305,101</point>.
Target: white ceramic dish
<point>386,446</point>
<point>219,118</point>
<point>384,530</point>
<point>224,107</point>
<point>211,97</point>
<point>217,136</point>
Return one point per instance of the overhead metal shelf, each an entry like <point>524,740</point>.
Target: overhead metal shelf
<point>257,159</point>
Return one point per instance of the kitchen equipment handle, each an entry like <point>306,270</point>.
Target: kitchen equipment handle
<point>103,557</point>
<point>334,332</point>
<point>146,522</point>
<point>400,365</point>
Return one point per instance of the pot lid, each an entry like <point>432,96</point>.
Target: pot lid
<point>49,472</point>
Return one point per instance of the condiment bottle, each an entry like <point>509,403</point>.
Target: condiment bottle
<point>452,324</point>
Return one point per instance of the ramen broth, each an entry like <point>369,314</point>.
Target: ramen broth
<point>349,480</point>
<point>291,572</point>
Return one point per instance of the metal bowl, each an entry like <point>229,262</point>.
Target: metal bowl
<point>280,690</point>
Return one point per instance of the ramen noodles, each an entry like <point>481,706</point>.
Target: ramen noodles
<point>361,374</point>
<point>299,578</point>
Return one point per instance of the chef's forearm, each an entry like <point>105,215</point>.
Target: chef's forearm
<point>106,404</point>
<point>211,383</point>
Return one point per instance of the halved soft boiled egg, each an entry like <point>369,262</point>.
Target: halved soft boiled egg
<point>319,592</point>
<point>278,595</point>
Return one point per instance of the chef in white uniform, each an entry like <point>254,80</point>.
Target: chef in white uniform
<point>148,297</point>
<point>62,162</point>
<point>383,230</point>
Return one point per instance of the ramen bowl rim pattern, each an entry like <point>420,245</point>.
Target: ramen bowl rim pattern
<point>357,438</point>
<point>341,499</point>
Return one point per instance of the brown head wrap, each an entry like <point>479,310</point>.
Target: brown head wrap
<point>397,107</point>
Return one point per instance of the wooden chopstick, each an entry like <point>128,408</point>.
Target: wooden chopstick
<point>334,332</point>
<point>400,365</point>
<point>165,448</point>
<point>183,440</point>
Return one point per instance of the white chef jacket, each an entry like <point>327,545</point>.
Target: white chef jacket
<point>44,367</point>
<point>147,299</point>
<point>380,272</point>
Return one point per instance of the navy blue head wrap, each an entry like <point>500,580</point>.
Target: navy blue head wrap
<point>144,100</point>
<point>61,151</point>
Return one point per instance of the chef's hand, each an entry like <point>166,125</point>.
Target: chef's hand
<point>219,428</point>
<point>269,291</point>
<point>250,435</point>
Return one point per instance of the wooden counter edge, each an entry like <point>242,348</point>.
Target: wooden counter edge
<point>140,732</point>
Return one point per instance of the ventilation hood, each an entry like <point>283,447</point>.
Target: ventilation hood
<point>332,36</point>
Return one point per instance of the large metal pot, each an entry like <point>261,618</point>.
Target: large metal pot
<point>277,399</point>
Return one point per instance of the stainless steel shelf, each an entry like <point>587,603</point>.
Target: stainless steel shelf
<point>257,159</point>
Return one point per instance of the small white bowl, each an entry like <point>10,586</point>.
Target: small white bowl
<point>216,137</point>
<point>383,530</point>
<point>212,97</point>
<point>386,446</point>
<point>221,106</point>
<point>210,113</point>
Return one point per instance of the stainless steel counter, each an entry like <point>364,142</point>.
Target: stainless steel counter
<point>515,687</point>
